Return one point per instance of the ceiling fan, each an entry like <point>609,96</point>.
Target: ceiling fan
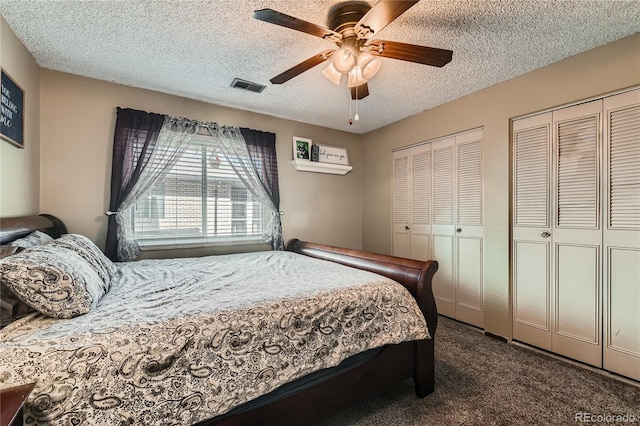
<point>352,27</point>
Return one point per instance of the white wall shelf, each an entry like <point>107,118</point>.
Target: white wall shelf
<point>317,167</point>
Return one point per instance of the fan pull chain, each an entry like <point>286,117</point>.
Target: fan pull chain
<point>357,117</point>
<point>350,120</point>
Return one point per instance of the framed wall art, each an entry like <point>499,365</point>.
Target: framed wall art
<point>301,148</point>
<point>333,154</point>
<point>12,112</point>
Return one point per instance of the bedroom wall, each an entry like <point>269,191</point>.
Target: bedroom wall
<point>599,71</point>
<point>19,167</point>
<point>77,124</point>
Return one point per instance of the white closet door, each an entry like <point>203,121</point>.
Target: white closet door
<point>412,203</point>
<point>469,229</point>
<point>401,204</point>
<point>622,235</point>
<point>437,214</point>
<point>577,234</point>
<point>443,225</point>
<point>531,231</point>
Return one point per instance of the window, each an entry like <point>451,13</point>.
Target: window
<point>152,206</point>
<point>200,201</point>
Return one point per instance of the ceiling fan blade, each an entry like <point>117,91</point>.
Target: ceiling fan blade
<point>380,15</point>
<point>302,67</point>
<point>362,92</point>
<point>278,18</point>
<point>411,52</point>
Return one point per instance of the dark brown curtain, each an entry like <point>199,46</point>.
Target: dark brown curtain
<point>135,136</point>
<point>262,149</point>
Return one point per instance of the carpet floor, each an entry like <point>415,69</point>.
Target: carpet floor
<point>485,381</point>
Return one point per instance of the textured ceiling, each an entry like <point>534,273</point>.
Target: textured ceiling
<point>196,48</point>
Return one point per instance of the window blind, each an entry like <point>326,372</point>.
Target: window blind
<point>200,199</point>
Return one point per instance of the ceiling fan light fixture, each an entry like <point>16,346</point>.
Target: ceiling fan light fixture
<point>332,74</point>
<point>351,26</point>
<point>355,77</point>
<point>344,60</point>
<point>369,65</point>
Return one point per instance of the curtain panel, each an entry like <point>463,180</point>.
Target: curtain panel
<point>134,139</point>
<point>236,150</point>
<point>173,139</point>
<point>262,150</point>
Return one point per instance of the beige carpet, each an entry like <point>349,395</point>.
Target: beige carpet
<point>484,381</point>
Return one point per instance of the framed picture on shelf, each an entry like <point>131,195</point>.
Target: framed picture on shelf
<point>301,148</point>
<point>333,154</point>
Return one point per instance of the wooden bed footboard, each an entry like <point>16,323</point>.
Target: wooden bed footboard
<point>413,274</point>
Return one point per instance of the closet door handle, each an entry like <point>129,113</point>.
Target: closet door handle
<point>407,227</point>
<point>458,230</point>
<point>545,234</point>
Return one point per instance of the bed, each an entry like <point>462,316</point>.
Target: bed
<point>158,328</point>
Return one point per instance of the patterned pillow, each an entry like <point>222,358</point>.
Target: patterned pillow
<point>11,307</point>
<point>53,280</point>
<point>84,247</point>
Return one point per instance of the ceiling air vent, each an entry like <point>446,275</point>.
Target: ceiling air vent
<point>239,83</point>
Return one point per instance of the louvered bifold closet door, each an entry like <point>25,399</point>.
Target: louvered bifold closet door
<point>443,224</point>
<point>412,202</point>
<point>532,230</point>
<point>420,227</point>
<point>401,204</point>
<point>622,235</point>
<point>469,228</point>
<point>577,233</point>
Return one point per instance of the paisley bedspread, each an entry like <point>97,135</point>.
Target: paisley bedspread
<point>181,340</point>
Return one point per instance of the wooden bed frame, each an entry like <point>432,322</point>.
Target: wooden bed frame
<point>392,365</point>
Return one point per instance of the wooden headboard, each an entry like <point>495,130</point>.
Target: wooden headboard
<point>18,227</point>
